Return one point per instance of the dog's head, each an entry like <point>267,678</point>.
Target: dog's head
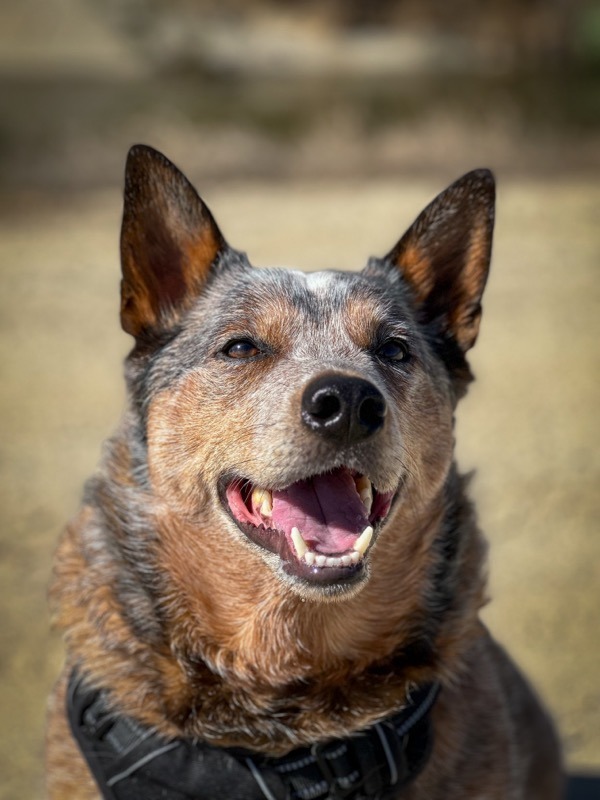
<point>288,416</point>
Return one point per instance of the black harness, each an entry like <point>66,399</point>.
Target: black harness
<point>132,762</point>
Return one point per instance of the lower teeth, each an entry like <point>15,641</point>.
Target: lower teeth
<point>313,559</point>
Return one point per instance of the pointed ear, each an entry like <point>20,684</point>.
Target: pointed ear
<point>169,241</point>
<point>445,256</point>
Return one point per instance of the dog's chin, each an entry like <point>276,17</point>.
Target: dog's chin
<point>315,534</point>
<point>331,590</point>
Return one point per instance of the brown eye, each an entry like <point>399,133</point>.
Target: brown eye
<point>242,348</point>
<point>393,350</point>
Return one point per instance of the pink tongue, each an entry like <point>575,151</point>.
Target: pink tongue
<point>326,510</point>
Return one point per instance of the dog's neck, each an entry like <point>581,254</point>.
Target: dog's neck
<point>261,629</point>
<point>275,651</point>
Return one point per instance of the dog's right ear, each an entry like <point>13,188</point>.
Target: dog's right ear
<point>169,242</point>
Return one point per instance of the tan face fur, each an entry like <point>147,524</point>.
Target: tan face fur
<point>227,417</point>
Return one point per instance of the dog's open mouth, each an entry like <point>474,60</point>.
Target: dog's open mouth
<point>320,527</point>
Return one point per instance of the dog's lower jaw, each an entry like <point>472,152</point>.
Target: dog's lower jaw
<point>324,592</point>
<point>319,584</point>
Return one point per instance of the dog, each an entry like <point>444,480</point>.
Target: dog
<point>272,589</point>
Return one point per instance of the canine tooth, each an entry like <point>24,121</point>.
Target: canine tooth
<point>367,499</point>
<point>321,561</point>
<point>363,541</point>
<point>364,487</point>
<point>263,499</point>
<point>299,543</point>
<point>266,507</point>
<point>309,557</point>
<point>355,557</point>
<point>257,496</point>
<point>361,482</point>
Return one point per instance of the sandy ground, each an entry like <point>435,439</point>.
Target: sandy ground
<point>530,424</point>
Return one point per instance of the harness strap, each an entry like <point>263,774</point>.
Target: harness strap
<point>130,761</point>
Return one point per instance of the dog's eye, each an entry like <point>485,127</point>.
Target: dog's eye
<point>393,350</point>
<point>242,348</point>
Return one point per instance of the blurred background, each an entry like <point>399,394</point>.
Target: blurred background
<point>316,131</point>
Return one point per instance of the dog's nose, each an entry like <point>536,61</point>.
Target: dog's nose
<point>343,408</point>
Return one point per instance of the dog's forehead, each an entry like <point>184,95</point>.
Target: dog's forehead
<point>278,303</point>
<point>327,290</point>
<point>322,292</point>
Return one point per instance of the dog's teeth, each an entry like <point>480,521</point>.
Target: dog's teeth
<point>263,500</point>
<point>266,507</point>
<point>299,544</point>
<point>320,560</point>
<point>364,487</point>
<point>363,541</point>
<point>311,558</point>
<point>367,499</point>
<point>257,496</point>
<point>362,482</point>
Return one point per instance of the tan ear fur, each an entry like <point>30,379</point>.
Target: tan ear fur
<point>169,241</point>
<point>445,256</point>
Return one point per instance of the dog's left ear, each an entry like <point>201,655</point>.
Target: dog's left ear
<point>445,256</point>
<point>169,242</point>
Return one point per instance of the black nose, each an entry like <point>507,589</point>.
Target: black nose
<point>343,408</point>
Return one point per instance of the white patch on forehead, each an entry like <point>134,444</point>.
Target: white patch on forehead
<point>318,281</point>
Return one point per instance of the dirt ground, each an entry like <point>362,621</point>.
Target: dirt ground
<point>530,425</point>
